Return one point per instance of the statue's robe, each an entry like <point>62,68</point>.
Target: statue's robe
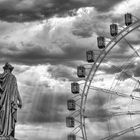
<point>8,99</point>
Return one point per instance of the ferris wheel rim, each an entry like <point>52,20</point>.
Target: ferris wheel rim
<point>88,80</point>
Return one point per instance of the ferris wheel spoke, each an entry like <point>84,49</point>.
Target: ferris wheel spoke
<point>130,129</point>
<point>132,77</point>
<point>115,114</point>
<point>115,93</point>
<point>131,47</point>
<point>126,113</point>
<point>126,73</point>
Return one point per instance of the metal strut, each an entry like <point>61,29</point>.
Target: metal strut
<point>115,93</point>
<point>132,47</point>
<point>130,129</point>
<point>113,114</point>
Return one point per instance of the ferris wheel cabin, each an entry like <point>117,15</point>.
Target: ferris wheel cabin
<point>71,137</point>
<point>128,19</point>
<point>101,42</point>
<point>113,30</point>
<point>90,56</point>
<point>81,71</point>
<point>75,88</point>
<point>71,105</point>
<point>70,122</point>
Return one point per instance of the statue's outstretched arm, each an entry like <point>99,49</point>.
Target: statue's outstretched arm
<point>19,99</point>
<point>18,96</point>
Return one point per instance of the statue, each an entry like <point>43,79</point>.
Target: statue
<point>10,100</point>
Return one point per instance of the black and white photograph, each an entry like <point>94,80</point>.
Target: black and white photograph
<point>69,69</point>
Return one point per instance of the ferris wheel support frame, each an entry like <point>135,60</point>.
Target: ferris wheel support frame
<point>94,68</point>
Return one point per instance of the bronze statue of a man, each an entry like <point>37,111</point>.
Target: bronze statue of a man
<point>10,100</point>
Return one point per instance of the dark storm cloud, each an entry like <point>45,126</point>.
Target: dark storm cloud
<point>98,112</point>
<point>112,69</point>
<point>34,55</point>
<point>48,108</point>
<point>105,5</point>
<point>136,90</point>
<point>89,24</point>
<point>99,115</point>
<point>23,10</point>
<point>83,28</point>
<point>20,69</point>
<point>63,72</point>
<point>124,75</point>
<point>98,100</point>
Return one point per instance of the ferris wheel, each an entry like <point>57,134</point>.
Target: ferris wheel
<point>106,99</point>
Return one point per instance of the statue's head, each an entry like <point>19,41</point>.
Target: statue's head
<point>8,67</point>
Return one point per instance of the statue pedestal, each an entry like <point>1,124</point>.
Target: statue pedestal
<point>7,138</point>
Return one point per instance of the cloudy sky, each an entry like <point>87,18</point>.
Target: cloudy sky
<point>45,40</point>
